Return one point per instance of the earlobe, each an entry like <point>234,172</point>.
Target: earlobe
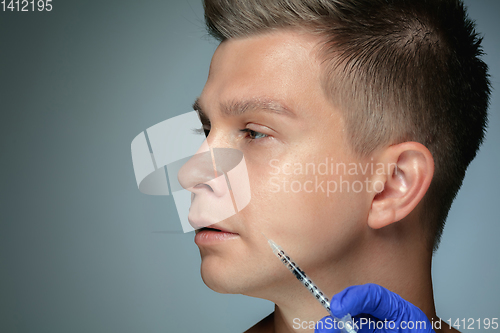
<point>410,171</point>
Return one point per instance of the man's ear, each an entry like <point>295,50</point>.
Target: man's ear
<point>409,168</point>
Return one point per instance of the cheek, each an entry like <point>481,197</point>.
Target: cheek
<point>304,212</point>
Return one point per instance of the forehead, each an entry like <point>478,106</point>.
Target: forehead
<point>280,66</point>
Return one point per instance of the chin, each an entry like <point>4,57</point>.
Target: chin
<point>231,276</point>
<point>221,278</point>
<point>251,279</point>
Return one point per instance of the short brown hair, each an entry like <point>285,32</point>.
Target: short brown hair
<point>400,70</point>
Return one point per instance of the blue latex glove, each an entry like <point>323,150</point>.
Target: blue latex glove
<point>371,302</point>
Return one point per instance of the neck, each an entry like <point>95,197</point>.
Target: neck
<point>398,267</point>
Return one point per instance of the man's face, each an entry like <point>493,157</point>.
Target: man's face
<point>264,97</point>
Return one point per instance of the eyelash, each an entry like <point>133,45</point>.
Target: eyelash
<point>252,133</point>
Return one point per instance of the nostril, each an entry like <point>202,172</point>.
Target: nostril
<point>201,186</point>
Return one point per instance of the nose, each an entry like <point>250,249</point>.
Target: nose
<point>202,174</point>
<point>206,176</point>
<point>218,181</point>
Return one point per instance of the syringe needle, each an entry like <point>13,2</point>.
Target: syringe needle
<point>347,325</point>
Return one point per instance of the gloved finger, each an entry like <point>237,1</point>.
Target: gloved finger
<point>369,299</point>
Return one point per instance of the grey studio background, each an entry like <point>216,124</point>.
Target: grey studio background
<point>78,251</point>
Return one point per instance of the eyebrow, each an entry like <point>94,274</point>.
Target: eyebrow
<point>236,108</point>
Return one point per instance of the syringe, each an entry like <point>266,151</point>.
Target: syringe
<point>345,324</point>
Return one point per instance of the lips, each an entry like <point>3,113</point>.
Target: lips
<point>213,235</point>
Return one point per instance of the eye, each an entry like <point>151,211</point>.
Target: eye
<point>253,135</point>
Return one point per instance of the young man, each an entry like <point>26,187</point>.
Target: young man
<point>357,120</point>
